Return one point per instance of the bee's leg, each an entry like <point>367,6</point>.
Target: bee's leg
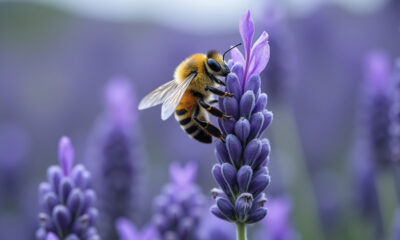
<point>215,79</point>
<point>213,110</point>
<point>213,101</point>
<point>218,92</point>
<point>207,126</point>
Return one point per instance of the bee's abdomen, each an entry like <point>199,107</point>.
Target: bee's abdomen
<point>187,123</point>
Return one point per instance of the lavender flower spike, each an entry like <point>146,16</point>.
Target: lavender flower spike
<point>378,103</point>
<point>66,201</point>
<point>242,172</point>
<point>179,207</point>
<point>115,156</point>
<point>395,115</point>
<point>128,231</point>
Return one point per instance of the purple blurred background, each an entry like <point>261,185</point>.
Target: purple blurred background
<point>56,59</point>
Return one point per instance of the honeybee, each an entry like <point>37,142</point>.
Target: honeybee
<point>189,94</point>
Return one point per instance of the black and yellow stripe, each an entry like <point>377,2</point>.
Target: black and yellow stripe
<point>191,127</point>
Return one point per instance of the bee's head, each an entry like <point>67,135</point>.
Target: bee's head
<point>216,65</point>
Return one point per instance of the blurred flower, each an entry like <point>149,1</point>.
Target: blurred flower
<point>395,115</point>
<point>114,156</point>
<point>66,201</point>
<point>242,172</point>
<point>364,172</point>
<point>51,236</point>
<point>179,207</point>
<point>128,231</point>
<point>377,105</point>
<point>371,147</point>
<point>278,225</point>
<point>215,228</point>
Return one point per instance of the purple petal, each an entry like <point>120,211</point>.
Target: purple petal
<point>262,157</point>
<point>252,151</point>
<point>54,175</point>
<point>258,184</point>
<point>51,236</point>
<point>230,63</point>
<point>66,186</point>
<point>242,129</point>
<point>215,210</point>
<point>261,103</point>
<point>268,116</point>
<point>246,29</point>
<point>226,207</point>
<point>126,229</point>
<point>41,234</point>
<point>378,70</point>
<point>89,199</point>
<point>256,124</point>
<point>237,56</point>
<point>247,103</point>
<point>61,217</point>
<point>261,171</point>
<point>238,70</point>
<point>234,148</point>
<point>44,188</point>
<point>256,215</point>
<point>229,175</point>
<point>119,101</point>
<point>243,205</point>
<point>221,153</point>
<point>244,176</point>
<point>78,176</point>
<point>183,175</point>
<point>253,84</point>
<point>93,214</point>
<point>259,55</point>
<point>50,201</point>
<point>217,174</point>
<point>66,155</point>
<point>233,85</point>
<point>75,202</point>
<point>231,107</point>
<point>228,126</point>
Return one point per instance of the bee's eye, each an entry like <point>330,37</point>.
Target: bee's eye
<point>214,65</point>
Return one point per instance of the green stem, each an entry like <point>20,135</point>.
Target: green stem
<point>241,233</point>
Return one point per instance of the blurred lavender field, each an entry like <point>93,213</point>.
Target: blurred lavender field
<point>331,65</point>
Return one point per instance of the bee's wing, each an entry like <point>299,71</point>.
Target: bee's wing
<point>158,95</point>
<point>174,98</point>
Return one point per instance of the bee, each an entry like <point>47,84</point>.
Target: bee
<point>189,94</point>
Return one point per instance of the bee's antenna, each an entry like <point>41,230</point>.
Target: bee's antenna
<point>223,56</point>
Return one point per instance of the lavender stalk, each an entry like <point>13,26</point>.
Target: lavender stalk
<point>242,172</point>
<point>114,156</point>
<point>395,126</point>
<point>66,200</point>
<point>179,208</point>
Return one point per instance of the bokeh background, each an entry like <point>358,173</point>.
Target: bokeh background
<point>57,56</point>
